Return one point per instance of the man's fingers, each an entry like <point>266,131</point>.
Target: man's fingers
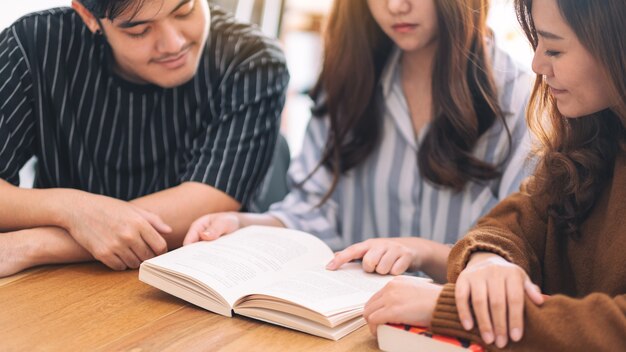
<point>142,250</point>
<point>113,262</point>
<point>155,221</point>
<point>129,258</point>
<point>154,240</point>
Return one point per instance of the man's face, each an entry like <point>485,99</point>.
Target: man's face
<point>162,43</point>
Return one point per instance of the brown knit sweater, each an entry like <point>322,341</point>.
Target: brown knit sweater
<point>586,278</point>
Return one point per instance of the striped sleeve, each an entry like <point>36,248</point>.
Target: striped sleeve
<point>236,150</point>
<point>301,208</point>
<point>16,107</point>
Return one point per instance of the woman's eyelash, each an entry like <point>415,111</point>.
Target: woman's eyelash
<point>552,53</point>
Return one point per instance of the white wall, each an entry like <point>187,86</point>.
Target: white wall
<point>11,10</point>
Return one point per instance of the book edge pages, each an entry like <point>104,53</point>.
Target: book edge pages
<point>300,324</point>
<point>158,279</point>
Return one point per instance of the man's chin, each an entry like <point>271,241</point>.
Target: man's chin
<point>173,82</point>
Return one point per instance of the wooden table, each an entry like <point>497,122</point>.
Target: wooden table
<point>86,307</point>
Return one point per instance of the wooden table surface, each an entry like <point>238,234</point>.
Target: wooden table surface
<point>86,307</point>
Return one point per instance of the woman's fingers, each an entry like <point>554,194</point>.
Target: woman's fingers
<point>533,291</point>
<point>388,260</point>
<point>372,258</point>
<point>196,228</point>
<point>462,295</point>
<point>515,303</point>
<point>480,302</point>
<point>355,251</point>
<point>401,265</point>
<point>496,289</point>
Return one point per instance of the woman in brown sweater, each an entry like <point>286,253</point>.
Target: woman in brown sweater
<point>566,230</point>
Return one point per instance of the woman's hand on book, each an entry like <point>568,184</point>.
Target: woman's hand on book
<point>495,288</point>
<point>404,300</point>
<point>381,255</point>
<point>210,227</point>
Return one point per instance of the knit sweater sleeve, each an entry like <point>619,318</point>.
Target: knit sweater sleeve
<point>516,230</point>
<point>596,322</point>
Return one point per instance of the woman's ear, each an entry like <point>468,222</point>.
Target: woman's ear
<point>90,20</point>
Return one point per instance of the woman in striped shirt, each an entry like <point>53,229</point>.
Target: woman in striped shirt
<point>418,130</point>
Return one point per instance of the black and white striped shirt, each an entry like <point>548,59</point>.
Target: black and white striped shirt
<point>91,130</point>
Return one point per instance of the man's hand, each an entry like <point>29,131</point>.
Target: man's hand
<point>117,233</point>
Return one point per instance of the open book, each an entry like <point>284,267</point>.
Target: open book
<point>271,274</point>
<point>406,338</point>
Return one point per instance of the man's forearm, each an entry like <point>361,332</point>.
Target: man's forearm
<point>24,249</point>
<point>29,208</point>
<point>180,206</point>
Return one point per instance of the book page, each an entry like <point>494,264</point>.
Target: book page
<point>327,292</point>
<point>234,263</point>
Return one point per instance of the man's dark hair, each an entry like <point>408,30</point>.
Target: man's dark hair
<point>110,9</point>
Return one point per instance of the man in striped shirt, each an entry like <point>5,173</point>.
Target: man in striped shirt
<point>143,115</point>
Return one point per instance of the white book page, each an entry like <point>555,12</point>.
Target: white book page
<point>235,263</point>
<point>327,292</point>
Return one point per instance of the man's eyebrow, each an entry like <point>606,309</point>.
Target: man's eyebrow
<point>131,24</point>
<point>548,35</point>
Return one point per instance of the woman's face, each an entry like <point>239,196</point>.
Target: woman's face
<point>574,76</point>
<point>411,24</point>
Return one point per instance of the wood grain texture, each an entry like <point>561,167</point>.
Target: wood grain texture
<point>86,307</point>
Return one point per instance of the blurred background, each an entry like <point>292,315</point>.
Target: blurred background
<point>298,25</point>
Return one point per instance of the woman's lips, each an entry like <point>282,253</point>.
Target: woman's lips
<point>404,27</point>
<point>555,91</point>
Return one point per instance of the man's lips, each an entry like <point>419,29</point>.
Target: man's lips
<point>174,61</point>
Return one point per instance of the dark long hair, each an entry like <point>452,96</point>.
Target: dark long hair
<point>464,96</point>
<point>577,155</point>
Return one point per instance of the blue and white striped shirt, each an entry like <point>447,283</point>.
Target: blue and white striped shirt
<point>386,196</point>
